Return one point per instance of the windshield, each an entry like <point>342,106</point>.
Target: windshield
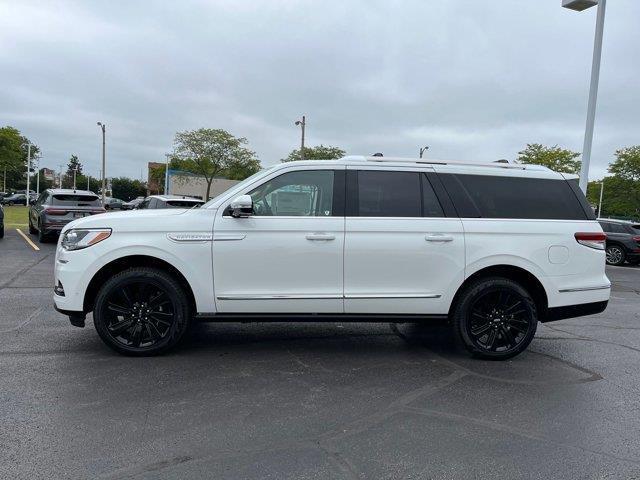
<point>239,186</point>
<point>182,204</point>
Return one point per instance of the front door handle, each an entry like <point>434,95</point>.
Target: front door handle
<point>320,236</point>
<point>438,237</point>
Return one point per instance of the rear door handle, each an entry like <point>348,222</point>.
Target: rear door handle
<point>438,237</point>
<point>320,236</point>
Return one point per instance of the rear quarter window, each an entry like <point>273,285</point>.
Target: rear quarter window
<point>488,196</point>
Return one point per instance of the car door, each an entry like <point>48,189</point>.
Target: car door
<point>404,245</point>
<point>287,257</point>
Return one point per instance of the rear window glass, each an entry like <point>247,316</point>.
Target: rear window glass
<point>513,197</point>
<point>181,204</point>
<point>78,200</point>
<point>389,194</point>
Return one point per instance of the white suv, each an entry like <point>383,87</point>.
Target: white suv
<point>493,248</point>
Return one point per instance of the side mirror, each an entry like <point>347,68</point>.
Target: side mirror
<point>241,206</point>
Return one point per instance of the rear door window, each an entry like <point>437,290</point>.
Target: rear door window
<point>75,200</point>
<point>617,228</point>
<point>389,194</point>
<point>490,196</point>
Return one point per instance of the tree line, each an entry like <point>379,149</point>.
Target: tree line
<point>213,153</point>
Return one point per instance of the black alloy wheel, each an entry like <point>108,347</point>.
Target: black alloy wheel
<point>32,230</point>
<point>141,311</point>
<point>42,236</point>
<point>495,318</point>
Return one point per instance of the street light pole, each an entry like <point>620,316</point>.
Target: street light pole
<point>75,171</point>
<point>38,180</point>
<point>580,5</point>
<point>423,150</point>
<point>303,124</point>
<point>103,127</point>
<point>28,170</point>
<point>166,175</point>
<point>88,178</point>
<point>600,202</point>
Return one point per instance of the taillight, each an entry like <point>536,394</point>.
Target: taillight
<point>53,211</point>
<point>591,239</point>
<point>636,238</point>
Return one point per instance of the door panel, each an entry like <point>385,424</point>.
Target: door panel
<point>402,255</point>
<point>274,262</point>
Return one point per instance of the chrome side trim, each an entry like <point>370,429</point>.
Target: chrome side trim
<point>227,238</point>
<point>301,296</point>
<point>391,295</point>
<point>584,289</point>
<point>322,296</point>
<point>190,237</point>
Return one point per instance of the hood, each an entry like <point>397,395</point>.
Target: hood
<point>170,219</point>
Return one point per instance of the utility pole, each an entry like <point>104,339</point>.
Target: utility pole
<point>303,124</point>
<point>75,172</point>
<point>103,127</point>
<point>600,202</point>
<point>88,178</point>
<point>28,170</point>
<point>423,150</point>
<point>38,181</point>
<point>166,175</point>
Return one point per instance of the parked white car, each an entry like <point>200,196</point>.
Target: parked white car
<point>492,248</point>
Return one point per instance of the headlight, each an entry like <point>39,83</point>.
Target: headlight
<point>79,238</point>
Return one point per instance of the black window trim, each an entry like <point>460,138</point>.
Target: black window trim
<point>430,176</point>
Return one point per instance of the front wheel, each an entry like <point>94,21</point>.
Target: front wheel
<point>141,311</point>
<point>495,318</point>
<point>615,255</point>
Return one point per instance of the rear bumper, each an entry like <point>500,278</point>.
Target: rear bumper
<point>572,311</point>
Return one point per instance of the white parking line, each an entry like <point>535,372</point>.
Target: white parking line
<point>28,240</point>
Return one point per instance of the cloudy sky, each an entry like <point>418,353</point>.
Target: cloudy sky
<point>473,79</point>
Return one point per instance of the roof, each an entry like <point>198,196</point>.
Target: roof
<point>69,191</point>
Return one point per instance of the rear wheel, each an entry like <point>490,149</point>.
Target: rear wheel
<point>42,236</point>
<point>615,255</point>
<point>495,318</point>
<point>1,231</point>
<point>141,311</point>
<point>32,230</point>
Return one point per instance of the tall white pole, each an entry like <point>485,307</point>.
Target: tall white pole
<point>88,178</point>
<point>75,171</point>
<point>166,176</point>
<point>593,96</point>
<point>28,170</point>
<point>600,202</point>
<point>38,181</point>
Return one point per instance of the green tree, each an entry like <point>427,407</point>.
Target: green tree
<point>555,158</point>
<point>627,163</point>
<point>156,176</point>
<point>13,157</point>
<point>319,152</point>
<point>212,153</point>
<point>620,199</point>
<point>94,183</point>
<point>127,189</point>
<point>67,181</point>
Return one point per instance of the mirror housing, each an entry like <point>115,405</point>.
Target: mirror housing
<point>241,207</point>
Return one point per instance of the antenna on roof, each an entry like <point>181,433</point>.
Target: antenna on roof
<point>502,160</point>
<point>377,155</point>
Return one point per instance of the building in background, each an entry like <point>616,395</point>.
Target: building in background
<point>189,184</point>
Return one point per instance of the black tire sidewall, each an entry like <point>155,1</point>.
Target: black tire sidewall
<point>160,279</point>
<point>463,307</point>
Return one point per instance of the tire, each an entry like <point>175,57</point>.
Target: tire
<point>1,231</point>
<point>32,230</point>
<point>10,204</point>
<point>615,255</point>
<point>124,317</point>
<point>494,318</point>
<point>42,237</point>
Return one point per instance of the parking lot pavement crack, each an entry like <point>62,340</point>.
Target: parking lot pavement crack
<point>595,340</point>
<point>30,317</point>
<point>24,270</point>
<point>341,462</point>
<point>515,431</point>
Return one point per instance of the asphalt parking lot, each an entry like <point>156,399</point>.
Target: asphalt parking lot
<point>321,401</point>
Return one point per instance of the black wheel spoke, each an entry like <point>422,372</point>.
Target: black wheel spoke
<point>491,339</point>
<point>118,309</point>
<point>126,296</point>
<point>480,330</point>
<point>120,326</point>
<point>506,333</point>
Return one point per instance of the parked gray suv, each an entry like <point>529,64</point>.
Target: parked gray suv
<point>623,241</point>
<point>57,207</point>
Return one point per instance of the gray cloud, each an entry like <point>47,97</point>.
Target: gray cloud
<point>474,80</point>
